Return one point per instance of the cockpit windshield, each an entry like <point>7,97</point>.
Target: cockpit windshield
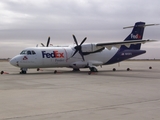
<point>27,52</point>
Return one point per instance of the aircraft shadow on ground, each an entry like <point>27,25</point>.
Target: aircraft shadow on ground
<point>136,73</point>
<point>101,72</point>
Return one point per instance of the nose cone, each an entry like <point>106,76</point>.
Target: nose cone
<point>14,62</point>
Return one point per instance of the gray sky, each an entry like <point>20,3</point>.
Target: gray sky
<point>26,23</point>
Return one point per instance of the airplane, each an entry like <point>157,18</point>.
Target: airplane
<point>83,55</point>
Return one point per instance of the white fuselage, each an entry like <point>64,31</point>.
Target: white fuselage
<point>44,57</point>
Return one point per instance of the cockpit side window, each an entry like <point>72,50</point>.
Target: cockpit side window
<point>33,52</point>
<point>27,52</point>
<point>23,52</point>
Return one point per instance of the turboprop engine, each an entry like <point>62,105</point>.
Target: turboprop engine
<point>89,47</point>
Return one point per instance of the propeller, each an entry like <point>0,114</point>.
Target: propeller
<point>47,43</point>
<point>78,48</point>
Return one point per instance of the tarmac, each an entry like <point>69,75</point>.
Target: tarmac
<point>67,95</point>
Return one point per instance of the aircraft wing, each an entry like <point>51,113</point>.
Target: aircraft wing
<point>118,44</point>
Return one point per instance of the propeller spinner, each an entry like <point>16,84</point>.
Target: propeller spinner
<point>78,48</point>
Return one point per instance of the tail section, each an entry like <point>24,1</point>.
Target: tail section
<point>134,50</point>
<point>136,34</point>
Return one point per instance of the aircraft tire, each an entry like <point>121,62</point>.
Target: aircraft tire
<point>23,72</point>
<point>93,69</point>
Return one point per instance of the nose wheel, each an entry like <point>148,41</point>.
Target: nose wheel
<point>23,71</point>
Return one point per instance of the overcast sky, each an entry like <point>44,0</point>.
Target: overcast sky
<point>26,23</point>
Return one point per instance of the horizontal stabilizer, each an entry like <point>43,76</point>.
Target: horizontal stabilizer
<point>140,26</point>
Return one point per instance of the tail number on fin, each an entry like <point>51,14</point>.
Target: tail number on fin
<point>126,54</point>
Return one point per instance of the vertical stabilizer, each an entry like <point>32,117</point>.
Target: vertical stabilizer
<point>136,34</point>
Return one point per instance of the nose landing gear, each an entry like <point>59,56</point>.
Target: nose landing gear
<point>23,71</point>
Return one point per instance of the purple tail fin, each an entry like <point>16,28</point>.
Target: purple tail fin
<point>136,34</point>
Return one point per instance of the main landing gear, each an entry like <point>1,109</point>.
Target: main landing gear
<point>23,71</point>
<point>92,69</point>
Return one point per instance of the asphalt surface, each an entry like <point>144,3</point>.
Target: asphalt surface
<point>67,95</point>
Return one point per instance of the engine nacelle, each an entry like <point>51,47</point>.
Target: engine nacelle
<point>89,47</point>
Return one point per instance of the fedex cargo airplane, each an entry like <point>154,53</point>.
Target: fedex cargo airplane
<point>83,55</point>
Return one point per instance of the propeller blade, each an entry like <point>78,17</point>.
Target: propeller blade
<point>83,41</point>
<point>75,52</point>
<point>80,52</point>
<point>42,44</point>
<point>48,42</point>
<point>75,40</point>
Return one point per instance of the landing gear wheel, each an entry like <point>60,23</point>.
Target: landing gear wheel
<point>23,71</point>
<point>93,69</point>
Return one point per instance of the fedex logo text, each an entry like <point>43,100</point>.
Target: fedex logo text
<point>137,36</point>
<point>55,54</point>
